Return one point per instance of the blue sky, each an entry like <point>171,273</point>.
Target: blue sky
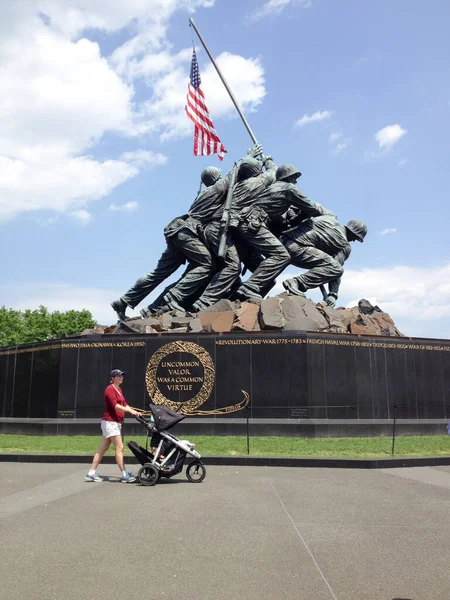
<point>96,150</point>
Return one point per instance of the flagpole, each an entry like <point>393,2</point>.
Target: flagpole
<point>227,87</point>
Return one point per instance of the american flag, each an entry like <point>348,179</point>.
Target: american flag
<point>206,140</point>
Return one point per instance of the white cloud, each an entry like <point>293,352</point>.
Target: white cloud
<point>61,297</point>
<point>334,136</point>
<point>340,148</point>
<point>165,113</point>
<point>128,207</point>
<point>320,115</point>
<point>66,296</point>
<point>402,162</point>
<point>145,158</point>
<point>75,16</point>
<point>387,137</point>
<point>60,96</point>
<point>82,216</point>
<point>418,299</point>
<point>388,230</point>
<point>61,184</point>
<point>45,222</point>
<point>338,142</point>
<point>275,7</point>
<point>417,294</point>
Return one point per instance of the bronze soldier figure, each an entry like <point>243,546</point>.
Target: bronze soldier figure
<point>321,245</point>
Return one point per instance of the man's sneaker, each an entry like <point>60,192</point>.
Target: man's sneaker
<point>128,478</point>
<point>94,478</point>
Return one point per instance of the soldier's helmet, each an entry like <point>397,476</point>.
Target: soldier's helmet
<point>285,171</point>
<point>249,167</point>
<point>358,228</point>
<point>210,176</point>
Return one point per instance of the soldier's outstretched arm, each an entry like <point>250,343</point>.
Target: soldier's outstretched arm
<point>308,208</point>
<point>269,176</point>
<point>295,215</point>
<point>324,211</point>
<point>333,286</point>
<point>333,290</point>
<point>255,151</point>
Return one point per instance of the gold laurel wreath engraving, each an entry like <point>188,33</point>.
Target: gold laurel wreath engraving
<point>226,409</point>
<point>208,381</point>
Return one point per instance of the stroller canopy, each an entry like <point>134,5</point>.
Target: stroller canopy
<point>165,418</point>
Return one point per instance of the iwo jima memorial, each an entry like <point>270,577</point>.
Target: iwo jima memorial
<point>216,346</point>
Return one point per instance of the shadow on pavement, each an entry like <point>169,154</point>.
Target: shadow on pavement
<point>162,481</point>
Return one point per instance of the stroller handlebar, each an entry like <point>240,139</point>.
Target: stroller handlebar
<point>144,421</point>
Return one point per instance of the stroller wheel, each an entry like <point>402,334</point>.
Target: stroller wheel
<point>196,471</point>
<point>148,475</point>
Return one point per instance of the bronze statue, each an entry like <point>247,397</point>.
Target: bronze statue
<point>183,244</point>
<point>186,242</point>
<point>253,217</point>
<point>321,244</point>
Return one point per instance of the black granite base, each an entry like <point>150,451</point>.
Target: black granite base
<point>308,378</point>
<point>319,428</point>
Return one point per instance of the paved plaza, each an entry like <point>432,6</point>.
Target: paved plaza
<point>251,533</point>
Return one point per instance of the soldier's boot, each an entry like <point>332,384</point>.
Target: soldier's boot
<point>292,287</point>
<point>243,295</point>
<point>203,303</point>
<point>149,312</point>
<point>198,306</point>
<point>172,303</point>
<point>267,287</point>
<point>119,306</point>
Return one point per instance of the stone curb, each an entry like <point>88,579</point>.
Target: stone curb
<point>253,461</point>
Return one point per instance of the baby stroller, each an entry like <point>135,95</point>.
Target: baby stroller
<point>170,453</point>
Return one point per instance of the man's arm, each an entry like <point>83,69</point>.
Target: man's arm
<point>333,286</point>
<point>271,169</point>
<point>324,211</point>
<point>308,208</point>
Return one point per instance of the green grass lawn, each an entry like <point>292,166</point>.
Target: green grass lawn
<point>379,447</point>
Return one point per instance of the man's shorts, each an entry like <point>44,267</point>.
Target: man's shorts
<point>110,428</point>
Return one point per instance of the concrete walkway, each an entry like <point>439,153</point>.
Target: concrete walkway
<point>251,533</point>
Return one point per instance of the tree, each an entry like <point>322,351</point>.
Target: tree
<point>11,327</point>
<point>17,327</point>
